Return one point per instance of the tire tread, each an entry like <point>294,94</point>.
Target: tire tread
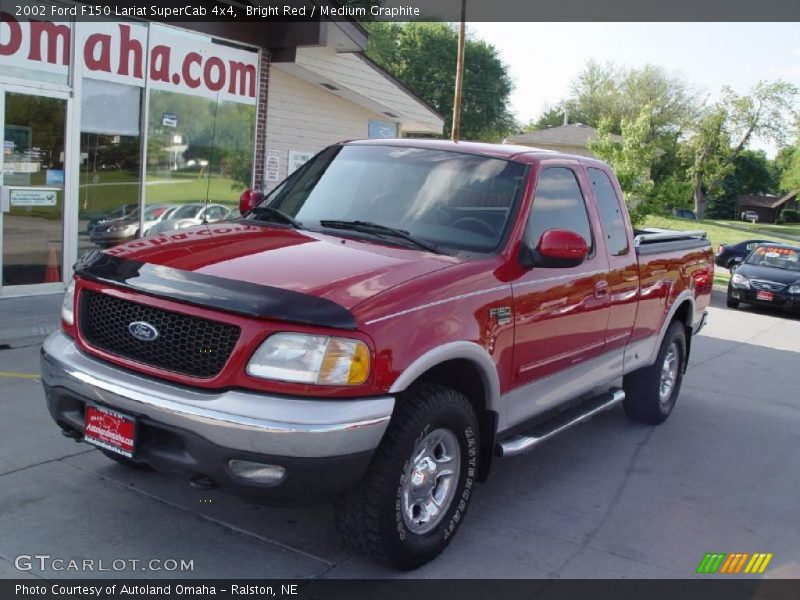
<point>358,512</point>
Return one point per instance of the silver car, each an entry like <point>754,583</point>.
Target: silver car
<point>122,229</point>
<point>189,215</point>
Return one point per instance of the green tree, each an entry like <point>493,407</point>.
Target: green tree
<point>781,164</point>
<point>752,173</point>
<point>614,95</point>
<point>632,159</point>
<point>787,167</point>
<point>608,92</point>
<point>423,57</point>
<point>727,127</point>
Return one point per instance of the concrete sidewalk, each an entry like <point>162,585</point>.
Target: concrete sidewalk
<point>26,321</point>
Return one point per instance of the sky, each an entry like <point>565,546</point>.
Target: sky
<point>544,57</point>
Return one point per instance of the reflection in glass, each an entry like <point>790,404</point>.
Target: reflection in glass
<point>33,166</point>
<point>199,154</point>
<point>110,171</point>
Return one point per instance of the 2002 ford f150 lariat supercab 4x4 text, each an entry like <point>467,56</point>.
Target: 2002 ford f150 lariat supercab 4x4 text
<point>386,322</point>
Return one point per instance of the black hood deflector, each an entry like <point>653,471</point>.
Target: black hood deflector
<point>250,299</point>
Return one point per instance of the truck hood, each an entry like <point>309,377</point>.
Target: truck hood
<point>342,270</point>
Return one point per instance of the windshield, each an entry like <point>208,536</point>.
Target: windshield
<point>448,199</point>
<point>777,257</point>
<point>189,211</point>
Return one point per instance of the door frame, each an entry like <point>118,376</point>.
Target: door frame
<point>69,216</point>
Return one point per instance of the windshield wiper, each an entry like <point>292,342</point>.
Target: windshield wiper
<point>260,211</point>
<point>381,230</point>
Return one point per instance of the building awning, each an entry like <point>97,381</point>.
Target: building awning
<point>355,78</point>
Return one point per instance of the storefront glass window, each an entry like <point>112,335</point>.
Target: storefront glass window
<point>110,176</point>
<point>199,157</point>
<point>33,171</point>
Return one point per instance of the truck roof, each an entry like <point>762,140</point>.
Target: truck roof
<point>507,151</point>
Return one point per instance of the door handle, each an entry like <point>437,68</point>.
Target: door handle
<point>601,289</point>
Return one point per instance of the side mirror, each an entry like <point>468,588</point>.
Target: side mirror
<point>248,200</point>
<point>557,248</point>
<point>736,263</point>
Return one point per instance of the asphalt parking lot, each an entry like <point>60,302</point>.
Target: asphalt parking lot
<point>608,499</point>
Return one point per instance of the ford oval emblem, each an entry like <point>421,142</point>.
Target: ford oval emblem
<point>143,331</point>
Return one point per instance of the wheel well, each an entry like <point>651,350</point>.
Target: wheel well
<point>684,315</point>
<point>465,376</point>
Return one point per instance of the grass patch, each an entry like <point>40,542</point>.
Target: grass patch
<point>767,229</point>
<point>109,193</point>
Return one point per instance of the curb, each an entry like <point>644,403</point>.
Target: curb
<point>28,336</point>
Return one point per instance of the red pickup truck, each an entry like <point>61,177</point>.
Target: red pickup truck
<point>388,320</point>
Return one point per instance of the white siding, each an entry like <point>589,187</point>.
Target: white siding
<point>307,118</point>
<point>355,73</point>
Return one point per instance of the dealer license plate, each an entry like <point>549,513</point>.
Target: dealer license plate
<point>765,296</point>
<point>110,430</point>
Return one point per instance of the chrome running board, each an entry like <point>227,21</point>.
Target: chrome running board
<point>520,444</point>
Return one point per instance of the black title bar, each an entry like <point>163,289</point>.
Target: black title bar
<point>178,11</point>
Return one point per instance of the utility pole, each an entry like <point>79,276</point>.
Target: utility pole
<point>462,34</point>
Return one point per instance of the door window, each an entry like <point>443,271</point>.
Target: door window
<point>558,204</point>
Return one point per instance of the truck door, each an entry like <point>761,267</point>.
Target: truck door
<point>623,272</point>
<point>560,313</point>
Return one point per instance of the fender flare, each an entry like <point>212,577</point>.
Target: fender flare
<point>682,298</point>
<point>462,350</point>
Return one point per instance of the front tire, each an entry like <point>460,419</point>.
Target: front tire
<point>417,489</point>
<point>651,392</point>
<point>731,303</point>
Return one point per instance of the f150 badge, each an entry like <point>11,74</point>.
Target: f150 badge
<point>502,314</point>
<point>143,331</point>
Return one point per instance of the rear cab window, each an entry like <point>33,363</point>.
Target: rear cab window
<point>612,220</point>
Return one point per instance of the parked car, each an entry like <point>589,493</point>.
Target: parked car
<point>769,276</point>
<point>188,215</point>
<point>122,212</point>
<point>728,253</point>
<point>384,325</point>
<point>750,215</point>
<point>684,213</point>
<point>116,231</point>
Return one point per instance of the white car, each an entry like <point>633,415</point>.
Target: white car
<point>189,215</point>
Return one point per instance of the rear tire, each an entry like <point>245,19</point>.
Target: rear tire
<point>731,303</point>
<point>651,392</point>
<point>417,489</point>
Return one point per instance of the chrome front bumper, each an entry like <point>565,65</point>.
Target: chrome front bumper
<point>244,421</point>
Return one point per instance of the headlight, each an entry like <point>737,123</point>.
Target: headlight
<point>315,359</point>
<point>68,304</point>
<point>740,281</point>
<point>794,289</point>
